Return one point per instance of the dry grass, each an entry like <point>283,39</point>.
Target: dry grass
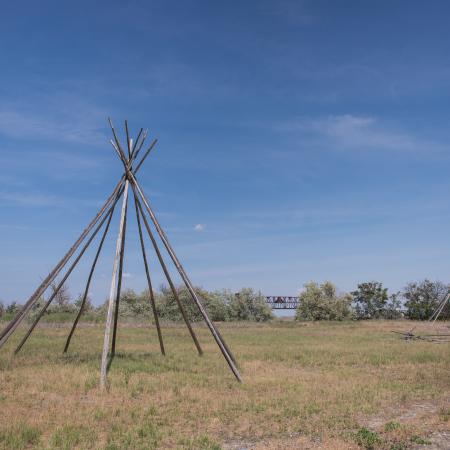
<point>324,385</point>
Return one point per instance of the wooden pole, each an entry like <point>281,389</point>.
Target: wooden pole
<point>147,273</point>
<point>128,140</point>
<point>11,327</point>
<point>88,283</point>
<point>169,279</point>
<point>113,291</point>
<point>138,145</point>
<point>119,289</point>
<point>122,251</point>
<point>127,164</point>
<point>121,152</point>
<point>224,349</point>
<point>145,155</point>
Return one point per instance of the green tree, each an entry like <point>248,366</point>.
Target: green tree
<point>423,298</point>
<point>370,300</point>
<point>321,302</point>
<point>2,309</point>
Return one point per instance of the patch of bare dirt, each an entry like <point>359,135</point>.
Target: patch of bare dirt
<point>291,442</point>
<point>413,413</point>
<point>422,416</point>
<point>437,441</point>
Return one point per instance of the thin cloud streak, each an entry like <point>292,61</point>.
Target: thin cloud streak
<point>360,134</point>
<point>40,199</point>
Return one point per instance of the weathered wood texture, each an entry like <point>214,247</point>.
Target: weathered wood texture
<point>112,292</point>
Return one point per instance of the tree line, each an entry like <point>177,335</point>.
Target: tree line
<point>224,305</point>
<point>370,300</point>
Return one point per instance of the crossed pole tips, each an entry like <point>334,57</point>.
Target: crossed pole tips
<point>127,184</point>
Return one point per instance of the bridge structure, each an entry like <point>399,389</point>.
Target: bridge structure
<point>282,302</point>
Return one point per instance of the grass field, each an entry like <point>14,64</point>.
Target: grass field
<point>320,385</point>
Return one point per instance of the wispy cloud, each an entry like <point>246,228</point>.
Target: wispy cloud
<point>361,134</point>
<point>42,199</point>
<point>26,124</point>
<point>66,117</point>
<point>29,199</point>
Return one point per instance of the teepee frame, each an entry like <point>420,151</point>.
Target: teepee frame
<point>437,312</point>
<point>127,186</point>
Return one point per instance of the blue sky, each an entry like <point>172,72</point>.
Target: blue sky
<point>297,140</point>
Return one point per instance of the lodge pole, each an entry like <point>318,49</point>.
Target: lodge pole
<point>149,282</point>
<point>122,251</point>
<point>112,291</point>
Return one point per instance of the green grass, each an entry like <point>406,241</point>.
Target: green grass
<point>301,382</point>
<point>19,436</point>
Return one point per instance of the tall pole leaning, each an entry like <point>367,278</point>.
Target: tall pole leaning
<point>149,282</point>
<point>112,292</point>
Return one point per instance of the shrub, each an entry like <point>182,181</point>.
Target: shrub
<point>320,302</point>
<point>367,439</point>
<point>247,304</point>
<point>135,305</point>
